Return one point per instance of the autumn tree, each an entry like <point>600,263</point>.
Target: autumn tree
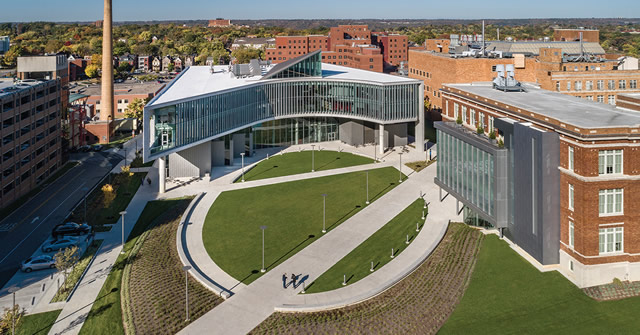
<point>244,55</point>
<point>10,317</point>
<point>109,194</point>
<point>135,108</point>
<point>66,259</point>
<point>92,71</point>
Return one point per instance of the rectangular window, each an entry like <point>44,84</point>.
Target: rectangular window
<point>464,114</point>
<point>568,86</point>
<point>590,97</point>
<point>571,230</point>
<point>622,84</point>
<point>481,121</point>
<point>601,98</point>
<point>472,116</point>
<point>455,110</point>
<point>578,85</point>
<point>557,86</point>
<point>611,84</point>
<point>610,162</point>
<point>611,99</point>
<point>633,84</point>
<point>600,85</point>
<point>571,197</point>
<point>571,166</point>
<point>611,202</point>
<point>589,85</point>
<point>611,240</point>
<point>490,124</point>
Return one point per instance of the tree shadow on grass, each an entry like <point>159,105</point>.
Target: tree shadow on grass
<point>331,162</point>
<point>344,217</point>
<point>259,173</point>
<point>100,310</point>
<point>379,194</point>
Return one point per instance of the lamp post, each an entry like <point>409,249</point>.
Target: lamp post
<point>324,212</point>
<point>125,156</point>
<point>122,214</point>
<point>313,162</point>
<point>400,167</point>
<point>375,151</point>
<point>186,269</point>
<point>263,270</point>
<point>13,291</point>
<point>242,155</point>
<point>85,189</point>
<point>367,187</point>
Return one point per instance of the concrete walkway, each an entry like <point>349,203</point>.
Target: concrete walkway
<point>254,303</point>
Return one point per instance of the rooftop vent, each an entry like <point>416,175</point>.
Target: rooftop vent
<point>506,81</point>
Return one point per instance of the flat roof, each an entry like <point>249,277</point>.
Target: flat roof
<point>8,87</point>
<point>121,88</point>
<point>198,80</point>
<point>568,109</point>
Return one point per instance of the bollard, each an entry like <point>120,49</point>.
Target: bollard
<point>371,267</point>
<point>423,214</point>
<point>417,226</point>
<point>425,204</point>
<point>407,242</point>
<point>304,287</point>
<point>344,280</point>
<point>392,253</point>
<point>267,155</point>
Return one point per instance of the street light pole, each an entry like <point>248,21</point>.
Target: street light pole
<point>263,270</point>
<point>313,162</point>
<point>242,155</point>
<point>367,187</point>
<point>125,156</point>
<point>400,167</point>
<point>13,290</point>
<point>324,212</point>
<point>186,269</point>
<point>123,213</point>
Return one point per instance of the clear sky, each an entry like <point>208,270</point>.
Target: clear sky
<point>133,10</point>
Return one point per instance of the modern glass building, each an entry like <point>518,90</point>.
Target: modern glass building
<point>295,102</point>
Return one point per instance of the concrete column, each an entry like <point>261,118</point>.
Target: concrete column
<point>162,169</point>
<point>106,100</point>
<point>251,144</point>
<point>230,150</point>
<point>420,124</point>
<point>381,143</point>
<point>296,131</point>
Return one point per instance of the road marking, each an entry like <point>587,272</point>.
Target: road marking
<point>35,219</point>
<point>45,202</point>
<point>41,222</point>
<point>6,227</point>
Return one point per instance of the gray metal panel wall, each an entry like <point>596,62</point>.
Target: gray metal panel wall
<point>352,132</point>
<point>397,134</point>
<point>191,162</point>
<point>238,144</point>
<point>217,153</point>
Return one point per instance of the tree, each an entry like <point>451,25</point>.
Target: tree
<point>109,195</point>
<point>66,259</point>
<point>244,55</point>
<point>170,67</point>
<point>124,67</point>
<point>11,56</point>
<point>92,71</point>
<point>96,59</point>
<point>10,315</point>
<point>135,109</point>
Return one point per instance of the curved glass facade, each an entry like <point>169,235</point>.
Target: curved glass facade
<point>206,117</point>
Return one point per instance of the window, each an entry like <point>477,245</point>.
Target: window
<point>589,85</point>
<point>611,240</point>
<point>633,84</point>
<point>557,86</point>
<point>611,99</point>
<point>455,110</point>
<point>600,85</point>
<point>609,162</point>
<point>568,86</point>
<point>481,121</point>
<point>464,114</point>
<point>610,202</point>
<point>578,85</point>
<point>490,124</point>
<point>472,114</point>
<point>611,84</point>
<point>571,166</point>
<point>571,194</point>
<point>571,230</point>
<point>601,98</point>
<point>589,97</point>
<point>622,84</point>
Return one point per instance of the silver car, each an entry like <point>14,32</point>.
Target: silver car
<point>62,243</point>
<point>38,263</point>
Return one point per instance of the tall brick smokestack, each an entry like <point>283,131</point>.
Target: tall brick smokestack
<point>106,101</point>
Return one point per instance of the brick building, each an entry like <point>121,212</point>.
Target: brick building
<point>30,148</point>
<point>76,68</point>
<point>349,45</point>
<point>219,23</point>
<point>588,35</point>
<point>124,94</point>
<point>580,216</point>
<point>46,68</point>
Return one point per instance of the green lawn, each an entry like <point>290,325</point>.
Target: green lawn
<point>300,162</point>
<point>77,271</point>
<point>37,324</point>
<point>507,295</point>
<point>292,212</point>
<point>105,316</point>
<point>377,248</point>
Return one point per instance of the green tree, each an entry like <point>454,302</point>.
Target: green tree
<point>244,55</point>
<point>11,56</point>
<point>66,259</point>
<point>92,71</point>
<point>135,108</point>
<point>124,67</point>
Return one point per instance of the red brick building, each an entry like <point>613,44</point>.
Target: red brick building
<point>588,35</point>
<point>219,23</point>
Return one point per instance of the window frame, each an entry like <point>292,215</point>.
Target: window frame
<point>604,234</point>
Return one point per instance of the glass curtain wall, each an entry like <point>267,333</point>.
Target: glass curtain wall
<point>467,170</point>
<point>295,131</point>
<point>198,119</point>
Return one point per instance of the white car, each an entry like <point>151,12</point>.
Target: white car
<point>62,243</point>
<point>38,263</point>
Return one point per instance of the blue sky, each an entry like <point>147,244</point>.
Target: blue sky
<point>129,10</point>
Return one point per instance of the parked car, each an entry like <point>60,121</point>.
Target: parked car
<point>84,148</point>
<point>97,147</point>
<point>38,263</point>
<point>65,242</point>
<point>70,228</point>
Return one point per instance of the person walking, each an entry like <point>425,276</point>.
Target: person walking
<point>293,279</point>
<point>284,280</point>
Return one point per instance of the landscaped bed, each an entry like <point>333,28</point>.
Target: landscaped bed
<point>106,315</point>
<point>300,162</point>
<point>419,304</point>
<point>419,165</point>
<point>101,217</point>
<point>37,324</point>
<point>76,272</point>
<point>507,295</point>
<point>292,212</point>
<point>377,249</point>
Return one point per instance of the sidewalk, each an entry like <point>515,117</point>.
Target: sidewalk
<point>254,303</point>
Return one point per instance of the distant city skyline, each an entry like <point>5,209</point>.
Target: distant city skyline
<point>148,10</point>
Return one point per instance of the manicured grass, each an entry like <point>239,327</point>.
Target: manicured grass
<point>97,215</point>
<point>37,324</point>
<point>137,163</point>
<point>105,316</point>
<point>507,295</point>
<point>7,210</point>
<point>377,249</point>
<point>117,142</point>
<point>292,212</point>
<point>300,162</point>
<point>76,272</point>
<point>419,165</point>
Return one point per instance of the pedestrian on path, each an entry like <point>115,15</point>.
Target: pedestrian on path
<point>149,180</point>
<point>293,279</point>
<point>284,280</point>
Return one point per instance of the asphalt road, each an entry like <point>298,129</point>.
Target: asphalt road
<point>40,214</point>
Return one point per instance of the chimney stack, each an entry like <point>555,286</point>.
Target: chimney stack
<point>106,100</point>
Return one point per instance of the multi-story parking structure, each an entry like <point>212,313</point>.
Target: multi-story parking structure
<point>209,115</point>
<point>564,184</point>
<point>30,148</point>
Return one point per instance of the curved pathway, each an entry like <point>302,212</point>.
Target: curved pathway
<point>255,302</point>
